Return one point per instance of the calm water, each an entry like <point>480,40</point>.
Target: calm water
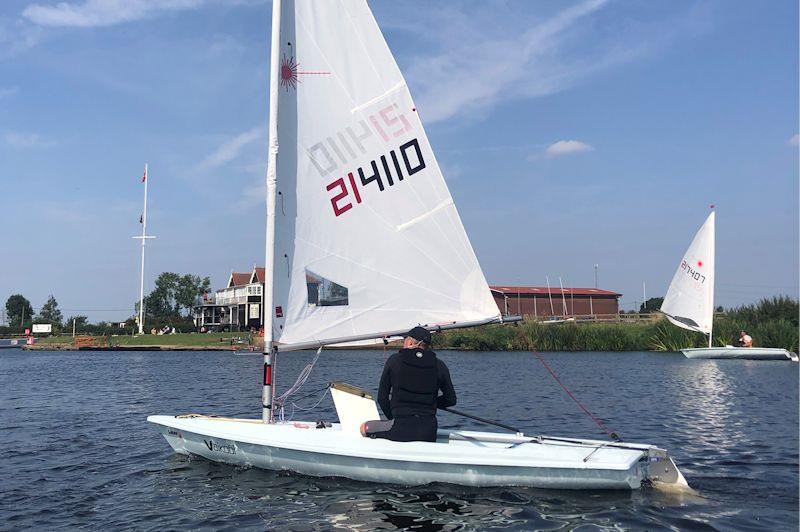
<point>77,452</point>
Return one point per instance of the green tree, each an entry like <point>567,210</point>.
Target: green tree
<point>50,313</point>
<point>161,301</point>
<point>18,311</point>
<point>651,305</point>
<point>190,287</point>
<point>174,295</point>
<point>80,322</point>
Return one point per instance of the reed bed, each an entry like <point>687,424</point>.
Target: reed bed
<point>771,322</point>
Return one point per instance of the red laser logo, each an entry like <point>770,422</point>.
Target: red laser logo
<point>290,73</point>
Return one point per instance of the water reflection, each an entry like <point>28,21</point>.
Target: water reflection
<point>704,400</point>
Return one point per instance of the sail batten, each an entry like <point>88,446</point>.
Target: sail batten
<point>367,238</point>
<point>689,302</point>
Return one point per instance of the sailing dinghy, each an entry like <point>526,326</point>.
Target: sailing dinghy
<point>364,242</point>
<point>689,302</point>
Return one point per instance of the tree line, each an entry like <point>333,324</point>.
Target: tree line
<point>169,303</point>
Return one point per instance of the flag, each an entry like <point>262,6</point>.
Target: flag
<point>141,218</point>
<point>144,176</point>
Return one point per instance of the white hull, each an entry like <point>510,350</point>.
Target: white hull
<point>458,457</point>
<point>743,353</point>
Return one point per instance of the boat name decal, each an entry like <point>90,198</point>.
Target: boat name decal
<point>220,448</point>
<point>412,162</point>
<point>691,272</point>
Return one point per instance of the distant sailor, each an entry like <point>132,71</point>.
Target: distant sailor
<point>409,392</point>
<point>745,340</point>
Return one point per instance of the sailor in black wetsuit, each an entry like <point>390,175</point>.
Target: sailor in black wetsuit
<point>409,391</point>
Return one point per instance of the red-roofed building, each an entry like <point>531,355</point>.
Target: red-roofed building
<point>258,275</point>
<point>237,307</point>
<point>541,302</point>
<point>239,279</point>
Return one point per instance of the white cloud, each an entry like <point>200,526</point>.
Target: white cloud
<point>527,56</point>
<point>794,141</point>
<point>17,36</point>
<point>22,141</point>
<point>484,69</point>
<point>97,13</point>
<point>230,149</point>
<point>566,147</point>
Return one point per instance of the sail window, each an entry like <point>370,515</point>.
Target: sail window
<point>324,292</point>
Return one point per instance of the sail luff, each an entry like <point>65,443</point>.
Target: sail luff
<point>269,255</point>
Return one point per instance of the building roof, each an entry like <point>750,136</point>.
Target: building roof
<point>239,279</point>
<point>258,275</point>
<point>554,290</point>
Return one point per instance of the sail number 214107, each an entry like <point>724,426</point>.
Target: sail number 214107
<point>385,171</point>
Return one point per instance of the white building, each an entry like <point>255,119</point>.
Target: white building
<point>237,307</point>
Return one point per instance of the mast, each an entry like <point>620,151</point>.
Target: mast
<point>713,275</point>
<point>563,296</point>
<point>550,296</point>
<point>269,261</point>
<point>143,238</point>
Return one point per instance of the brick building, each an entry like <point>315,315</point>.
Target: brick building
<point>541,302</point>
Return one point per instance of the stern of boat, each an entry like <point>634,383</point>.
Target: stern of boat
<point>661,473</point>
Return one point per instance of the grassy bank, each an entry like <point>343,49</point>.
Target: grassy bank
<point>771,322</point>
<point>205,340</point>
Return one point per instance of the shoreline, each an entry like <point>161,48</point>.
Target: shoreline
<point>60,347</point>
<point>653,336</point>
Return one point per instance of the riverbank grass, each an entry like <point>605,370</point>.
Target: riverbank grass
<point>207,340</point>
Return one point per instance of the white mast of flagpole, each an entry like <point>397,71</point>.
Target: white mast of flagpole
<point>143,238</point>
<point>269,260</point>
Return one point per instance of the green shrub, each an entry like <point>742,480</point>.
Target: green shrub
<point>771,322</point>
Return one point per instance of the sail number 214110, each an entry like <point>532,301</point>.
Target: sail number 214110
<point>385,171</point>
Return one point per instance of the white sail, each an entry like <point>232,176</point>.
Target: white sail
<point>367,238</point>
<point>689,302</point>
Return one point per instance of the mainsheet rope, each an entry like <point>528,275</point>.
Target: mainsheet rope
<point>599,423</point>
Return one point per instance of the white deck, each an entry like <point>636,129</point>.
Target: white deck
<point>458,457</point>
<point>743,353</point>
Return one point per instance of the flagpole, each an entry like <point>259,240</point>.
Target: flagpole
<point>143,238</point>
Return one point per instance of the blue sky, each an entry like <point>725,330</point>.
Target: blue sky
<point>570,134</point>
